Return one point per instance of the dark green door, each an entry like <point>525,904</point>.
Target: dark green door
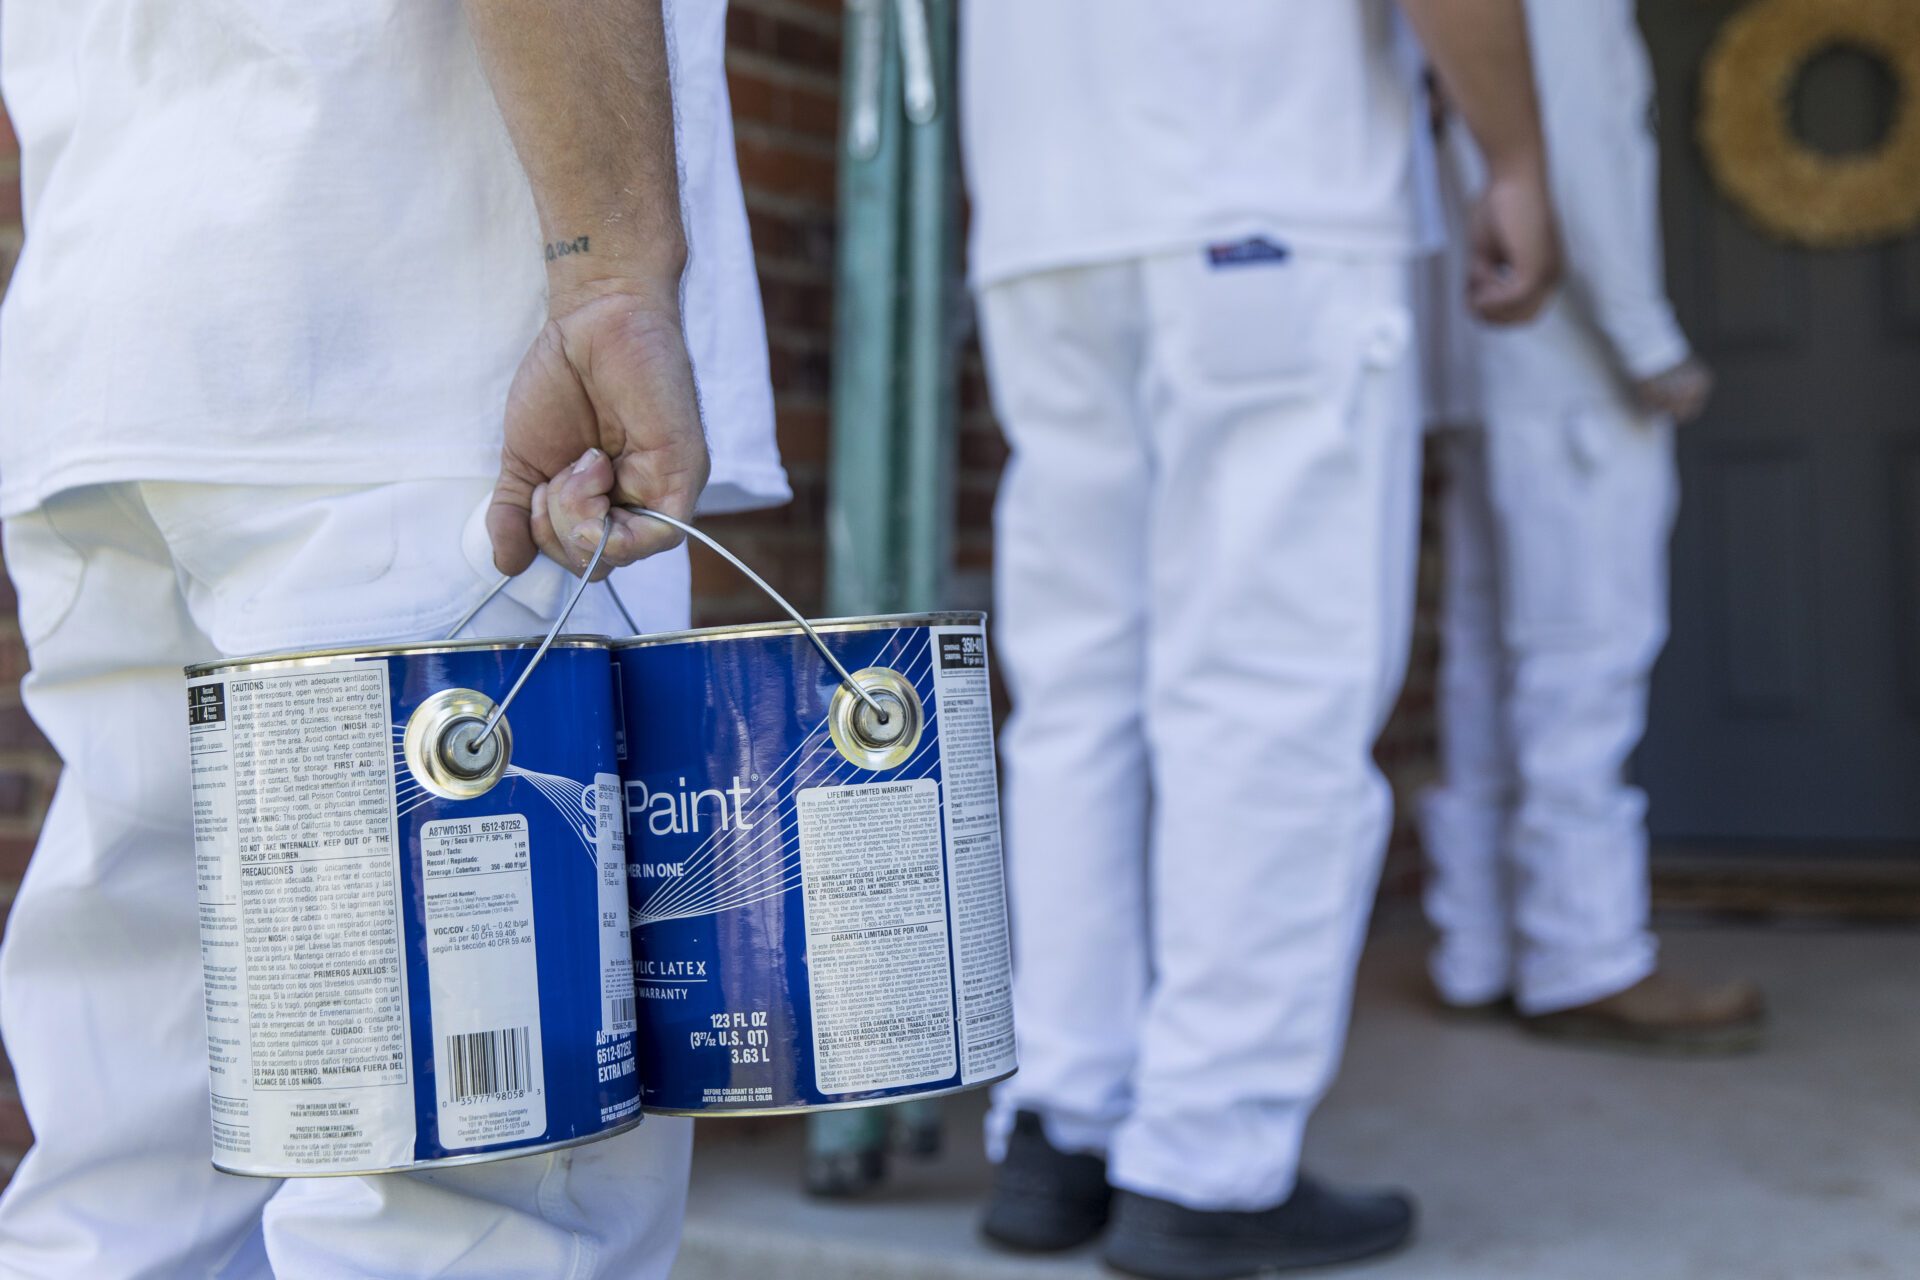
<point>1786,709</point>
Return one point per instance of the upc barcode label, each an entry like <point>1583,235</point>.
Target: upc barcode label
<point>624,1011</point>
<point>488,1064</point>
<point>483,971</point>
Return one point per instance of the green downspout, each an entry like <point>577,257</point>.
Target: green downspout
<point>890,500</point>
<point>862,547</point>
<point>929,341</point>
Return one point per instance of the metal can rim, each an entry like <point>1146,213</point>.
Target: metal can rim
<point>301,657</point>
<point>853,622</point>
<point>442,1162</point>
<point>906,1094</point>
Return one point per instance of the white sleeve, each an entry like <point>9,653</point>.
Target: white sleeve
<point>1596,97</point>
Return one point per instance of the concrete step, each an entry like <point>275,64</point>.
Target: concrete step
<point>750,1221</point>
<point>1531,1160</point>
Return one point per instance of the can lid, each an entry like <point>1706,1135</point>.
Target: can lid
<point>856,622</point>
<point>302,657</point>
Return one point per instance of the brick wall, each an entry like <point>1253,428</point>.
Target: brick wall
<point>783,64</point>
<point>783,67</point>
<point>27,764</point>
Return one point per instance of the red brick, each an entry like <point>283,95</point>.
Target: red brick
<point>8,603</point>
<point>799,241</point>
<point>13,661</point>
<point>783,105</point>
<point>975,508</point>
<point>754,97</point>
<point>973,555</point>
<point>803,435</point>
<point>19,733</point>
<point>747,29</point>
<point>783,169</point>
<point>14,1133</point>
<point>19,793</point>
<point>14,853</point>
<point>986,450</point>
<point>813,44</point>
<point>799,372</point>
<point>797,305</point>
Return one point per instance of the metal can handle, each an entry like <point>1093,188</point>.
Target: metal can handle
<point>846,679</point>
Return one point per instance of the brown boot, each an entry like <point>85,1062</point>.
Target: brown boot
<point>1664,1013</point>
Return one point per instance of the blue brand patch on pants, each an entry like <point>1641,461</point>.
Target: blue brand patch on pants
<point>1242,253</point>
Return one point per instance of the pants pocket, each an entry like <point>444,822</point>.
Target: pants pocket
<point>1256,326</point>
<point>269,568</point>
<point>1549,473</point>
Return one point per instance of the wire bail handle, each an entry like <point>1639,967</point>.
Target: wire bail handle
<point>852,686</point>
<point>473,746</point>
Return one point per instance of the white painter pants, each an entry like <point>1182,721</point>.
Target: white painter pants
<point>1555,526</point>
<point>100,988</point>
<point>1204,549</point>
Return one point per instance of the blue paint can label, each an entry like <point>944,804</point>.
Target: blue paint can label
<point>814,929</point>
<point>397,976</point>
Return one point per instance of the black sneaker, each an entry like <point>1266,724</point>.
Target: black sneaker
<point>1317,1226</point>
<point>1045,1200</point>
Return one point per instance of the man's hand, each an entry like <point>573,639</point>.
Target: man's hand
<point>1516,253</point>
<point>603,409</point>
<point>1480,53</point>
<point>1681,392</point>
<point>602,412</point>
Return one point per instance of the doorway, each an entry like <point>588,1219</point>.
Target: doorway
<point>1786,709</point>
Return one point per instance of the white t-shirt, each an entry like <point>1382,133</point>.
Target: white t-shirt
<point>1103,129</point>
<point>280,240</point>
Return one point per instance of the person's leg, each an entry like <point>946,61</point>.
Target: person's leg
<point>100,993</point>
<point>1463,817</point>
<point>1585,500</point>
<point>271,568</point>
<point>1286,488</point>
<point>1063,354</point>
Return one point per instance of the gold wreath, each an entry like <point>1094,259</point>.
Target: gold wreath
<point>1746,130</point>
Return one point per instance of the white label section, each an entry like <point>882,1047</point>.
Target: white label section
<point>877,968</point>
<point>976,877</point>
<point>616,938</point>
<point>300,919</point>
<point>483,971</point>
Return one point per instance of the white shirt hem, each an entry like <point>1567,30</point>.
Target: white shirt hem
<point>730,488</point>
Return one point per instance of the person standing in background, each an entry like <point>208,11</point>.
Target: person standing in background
<point>282,275</point>
<point>1555,522</point>
<point>1192,234</point>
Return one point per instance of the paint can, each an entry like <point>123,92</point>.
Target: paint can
<point>818,894</point>
<point>413,910</point>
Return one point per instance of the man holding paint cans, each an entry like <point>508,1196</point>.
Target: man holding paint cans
<point>283,270</point>
<point>1192,236</point>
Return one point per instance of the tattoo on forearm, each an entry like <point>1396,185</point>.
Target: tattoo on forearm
<point>566,248</point>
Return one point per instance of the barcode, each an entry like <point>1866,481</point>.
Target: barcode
<point>623,1011</point>
<point>483,1063</point>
